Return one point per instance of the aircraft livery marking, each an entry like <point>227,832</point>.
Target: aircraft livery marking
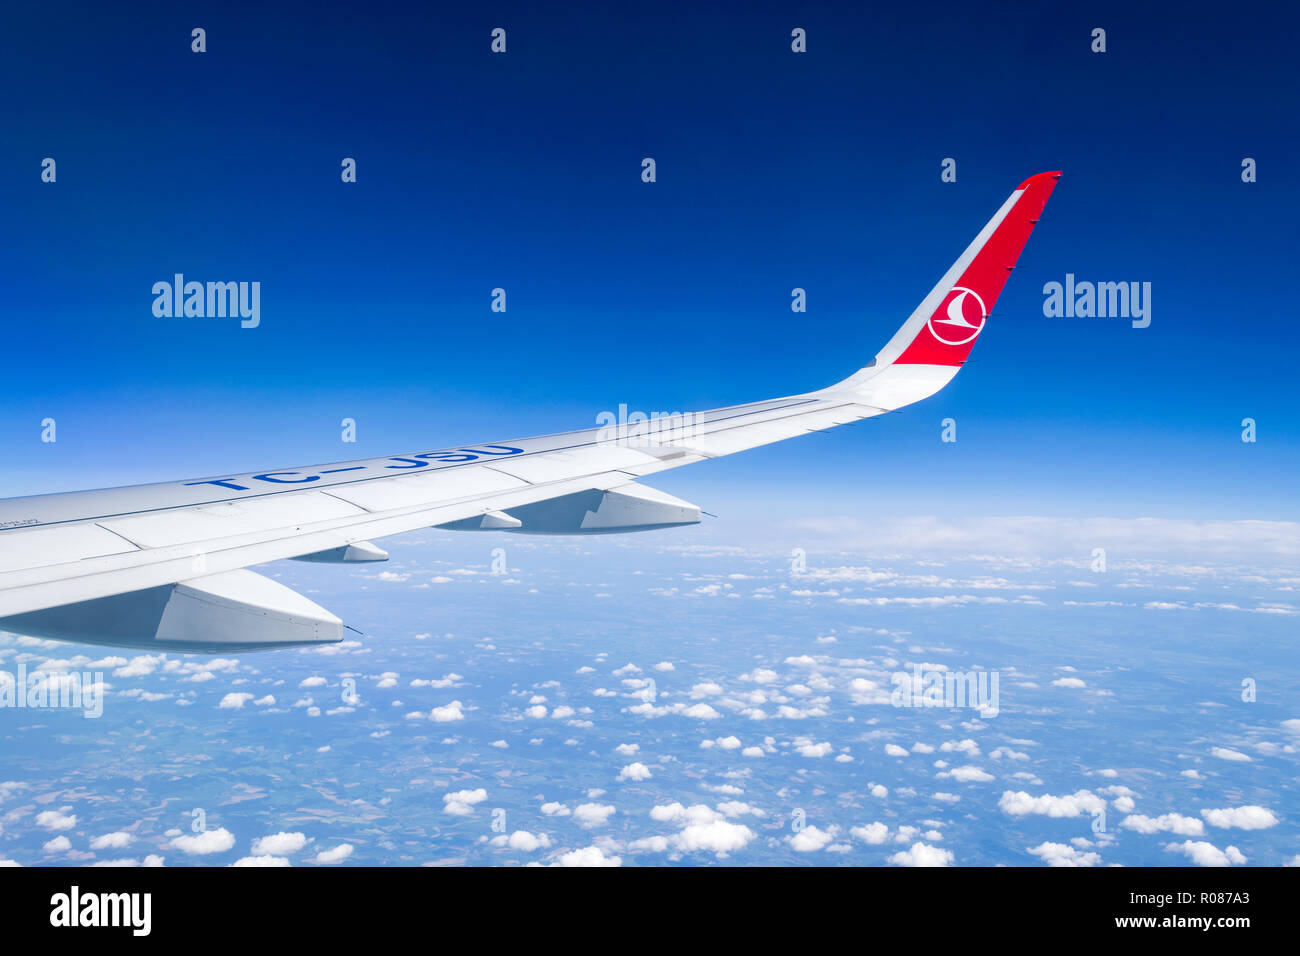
<point>422,460</point>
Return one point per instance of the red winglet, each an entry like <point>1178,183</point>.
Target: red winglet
<point>950,333</point>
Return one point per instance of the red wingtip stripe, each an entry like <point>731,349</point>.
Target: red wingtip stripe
<point>950,333</point>
<point>1054,174</point>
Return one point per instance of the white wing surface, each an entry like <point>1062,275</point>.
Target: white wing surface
<point>164,566</point>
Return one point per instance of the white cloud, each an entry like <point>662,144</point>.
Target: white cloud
<point>113,841</point>
<point>447,713</point>
<point>717,836</point>
<point>634,771</point>
<point>809,840</point>
<point>234,701</point>
<point>1033,535</point>
<point>527,842</point>
<point>1166,822</point>
<point>700,711</point>
<point>590,815</point>
<point>922,854</point>
<point>201,844</point>
<point>1224,753</point>
<point>1062,854</point>
<point>1244,818</point>
<point>279,844</point>
<point>1083,802</point>
<point>969,774</point>
<point>461,803</point>
<point>1207,854</point>
<point>56,820</point>
<point>873,833</point>
<point>336,855</point>
<point>815,750</point>
<point>703,829</point>
<point>140,666</point>
<point>588,856</point>
<point>261,861</point>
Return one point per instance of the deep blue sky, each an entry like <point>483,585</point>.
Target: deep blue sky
<point>775,170</point>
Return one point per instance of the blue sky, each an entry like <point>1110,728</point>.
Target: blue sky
<point>775,170</point>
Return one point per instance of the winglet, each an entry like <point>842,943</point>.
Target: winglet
<point>944,327</point>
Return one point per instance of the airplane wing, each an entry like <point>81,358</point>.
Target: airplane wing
<point>164,566</point>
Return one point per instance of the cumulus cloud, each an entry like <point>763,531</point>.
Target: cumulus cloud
<point>814,750</point>
<point>461,803</point>
<point>700,711</point>
<point>1207,854</point>
<point>634,771</point>
<point>1166,822</point>
<point>1225,753</point>
<point>873,833</point>
<point>588,856</point>
<point>1081,803</point>
<point>56,820</point>
<point>1062,854</point>
<point>591,815</point>
<point>703,829</point>
<point>525,841</point>
<point>922,854</point>
<point>1243,818</point>
<point>60,844</point>
<point>969,774</point>
<point>336,855</point>
<point>279,844</point>
<point>201,844</point>
<point>114,841</point>
<point>447,713</point>
<point>809,840</point>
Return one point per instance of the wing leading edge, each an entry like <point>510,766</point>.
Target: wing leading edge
<point>168,559</point>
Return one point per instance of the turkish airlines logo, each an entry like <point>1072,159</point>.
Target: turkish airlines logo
<point>959,318</point>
